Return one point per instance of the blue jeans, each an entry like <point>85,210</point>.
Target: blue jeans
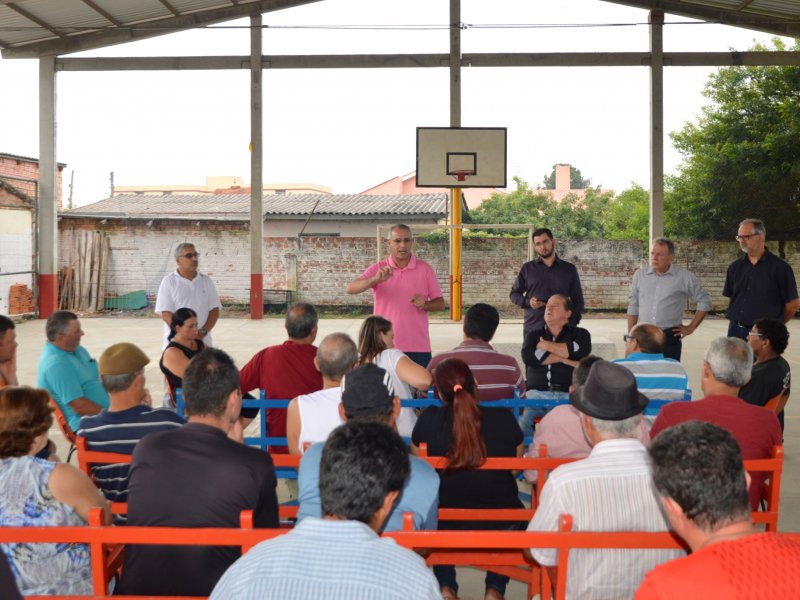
<point>530,413</point>
<point>421,358</point>
<point>737,331</point>
<point>446,576</point>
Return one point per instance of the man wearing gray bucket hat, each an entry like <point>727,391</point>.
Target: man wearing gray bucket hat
<point>610,490</point>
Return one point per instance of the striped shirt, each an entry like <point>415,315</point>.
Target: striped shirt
<point>498,375</point>
<point>118,431</point>
<point>329,559</point>
<point>610,490</point>
<point>657,377</point>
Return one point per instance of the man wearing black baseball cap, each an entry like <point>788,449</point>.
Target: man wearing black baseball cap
<point>367,395</point>
<point>610,490</point>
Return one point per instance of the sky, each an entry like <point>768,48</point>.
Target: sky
<point>352,129</point>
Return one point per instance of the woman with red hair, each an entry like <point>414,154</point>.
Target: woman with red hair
<point>467,434</point>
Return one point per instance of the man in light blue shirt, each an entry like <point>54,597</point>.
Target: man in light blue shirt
<point>367,395</point>
<point>341,556</point>
<point>68,372</point>
<point>659,293</point>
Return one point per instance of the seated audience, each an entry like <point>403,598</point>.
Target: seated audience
<point>311,417</point>
<point>8,352</point>
<point>128,418</point>
<point>39,493</point>
<point>730,558</point>
<point>657,377</point>
<point>196,476</point>
<point>726,368</point>
<point>183,342</point>
<point>467,434</point>
<point>68,372</point>
<point>771,374</point>
<point>550,353</point>
<point>376,345</point>
<point>340,556</point>
<point>498,375</point>
<point>367,395</point>
<point>561,430</point>
<point>286,370</point>
<point>610,490</point>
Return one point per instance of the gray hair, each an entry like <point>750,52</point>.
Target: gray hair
<point>337,355</point>
<point>662,241</point>
<point>398,226</point>
<point>730,360</point>
<point>179,249</point>
<point>119,383</point>
<point>624,429</point>
<point>758,226</point>
<point>58,323</point>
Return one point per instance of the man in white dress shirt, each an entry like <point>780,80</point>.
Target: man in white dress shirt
<point>610,490</point>
<point>186,287</point>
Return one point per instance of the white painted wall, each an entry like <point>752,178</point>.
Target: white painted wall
<point>16,246</point>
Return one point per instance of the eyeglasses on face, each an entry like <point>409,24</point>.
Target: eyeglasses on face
<point>627,338</point>
<point>744,238</point>
<point>754,334</point>
<point>191,255</point>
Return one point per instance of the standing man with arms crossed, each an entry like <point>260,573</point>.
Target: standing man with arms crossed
<point>188,287</point>
<point>541,278</point>
<point>658,295</point>
<point>759,284</point>
<point>404,290</point>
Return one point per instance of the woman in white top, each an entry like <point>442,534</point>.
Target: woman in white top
<point>376,345</point>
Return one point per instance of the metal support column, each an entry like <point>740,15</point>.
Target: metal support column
<point>256,174</point>
<point>656,124</point>
<point>455,193</point>
<point>48,189</point>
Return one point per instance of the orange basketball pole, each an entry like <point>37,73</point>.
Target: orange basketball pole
<point>455,254</point>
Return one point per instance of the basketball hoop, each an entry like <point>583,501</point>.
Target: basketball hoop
<point>463,174</point>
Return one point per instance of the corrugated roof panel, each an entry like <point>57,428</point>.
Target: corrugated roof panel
<point>14,28</point>
<point>129,12</point>
<point>190,6</point>
<point>65,14</point>
<point>776,8</point>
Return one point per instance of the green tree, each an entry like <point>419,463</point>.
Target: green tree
<point>742,157</point>
<point>628,215</point>
<point>576,180</point>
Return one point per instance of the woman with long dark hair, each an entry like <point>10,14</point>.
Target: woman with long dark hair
<point>467,434</point>
<point>376,345</point>
<point>184,343</point>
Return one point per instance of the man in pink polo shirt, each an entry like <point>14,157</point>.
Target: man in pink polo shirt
<point>404,290</point>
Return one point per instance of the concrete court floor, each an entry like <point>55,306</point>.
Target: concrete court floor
<point>242,337</point>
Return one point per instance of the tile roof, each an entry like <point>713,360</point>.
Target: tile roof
<point>236,207</point>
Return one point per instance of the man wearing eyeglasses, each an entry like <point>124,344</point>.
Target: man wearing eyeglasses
<point>186,287</point>
<point>759,284</point>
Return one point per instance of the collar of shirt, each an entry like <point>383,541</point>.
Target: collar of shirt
<point>341,528</point>
<point>617,445</point>
<point>412,263</point>
<point>765,256</point>
<point>540,261</point>
<point>644,356</point>
<point>565,329</point>
<point>652,271</point>
<point>471,343</point>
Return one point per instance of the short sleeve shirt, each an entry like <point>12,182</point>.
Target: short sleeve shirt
<point>759,291</point>
<point>392,300</point>
<point>69,376</point>
<point>199,294</point>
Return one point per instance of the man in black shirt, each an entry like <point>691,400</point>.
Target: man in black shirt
<point>196,476</point>
<point>771,373</point>
<point>550,353</point>
<point>541,278</point>
<point>759,284</point>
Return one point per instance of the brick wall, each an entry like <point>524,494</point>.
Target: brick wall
<point>26,169</point>
<point>141,255</point>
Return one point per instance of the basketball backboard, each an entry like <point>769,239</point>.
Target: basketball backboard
<point>461,157</point>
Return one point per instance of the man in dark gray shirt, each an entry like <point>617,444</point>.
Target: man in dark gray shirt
<point>196,476</point>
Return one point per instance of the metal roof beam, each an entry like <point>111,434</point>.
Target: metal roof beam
<point>695,10</point>
<point>406,61</point>
<point>104,13</point>
<point>112,36</point>
<point>34,19</point>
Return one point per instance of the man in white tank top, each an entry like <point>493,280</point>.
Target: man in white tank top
<point>311,417</point>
